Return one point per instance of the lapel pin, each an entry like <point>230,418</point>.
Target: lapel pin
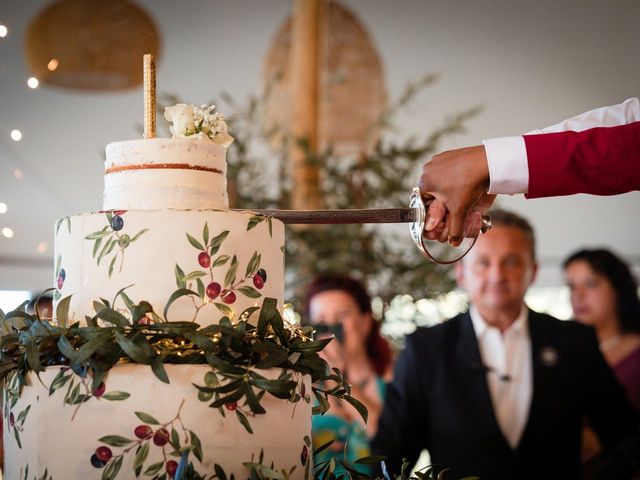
<point>549,356</point>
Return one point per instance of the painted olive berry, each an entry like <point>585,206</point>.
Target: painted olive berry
<point>124,241</point>
<point>96,462</point>
<point>303,390</point>
<point>172,466</point>
<point>60,282</point>
<point>304,456</point>
<point>161,437</point>
<point>213,290</point>
<point>204,259</point>
<point>104,454</point>
<point>12,419</point>
<point>231,406</point>
<point>117,223</point>
<point>229,297</point>
<point>62,274</point>
<point>258,281</point>
<point>143,431</point>
<point>99,391</point>
<point>263,274</point>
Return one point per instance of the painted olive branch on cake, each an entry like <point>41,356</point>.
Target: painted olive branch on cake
<point>218,285</point>
<point>111,235</point>
<point>149,434</point>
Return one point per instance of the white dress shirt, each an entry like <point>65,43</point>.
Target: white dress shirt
<point>507,359</point>
<point>507,156</point>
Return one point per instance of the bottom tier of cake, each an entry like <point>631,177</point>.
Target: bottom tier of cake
<point>133,425</point>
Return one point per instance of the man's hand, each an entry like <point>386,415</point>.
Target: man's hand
<point>457,181</point>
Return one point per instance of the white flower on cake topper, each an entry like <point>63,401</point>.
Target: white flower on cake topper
<point>201,122</point>
<point>181,115</point>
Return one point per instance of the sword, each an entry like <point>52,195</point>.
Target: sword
<point>355,215</point>
<point>415,215</point>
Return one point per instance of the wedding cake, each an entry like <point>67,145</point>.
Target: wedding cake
<point>167,247</point>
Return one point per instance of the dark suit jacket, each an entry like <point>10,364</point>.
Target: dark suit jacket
<point>439,400</point>
<point>599,161</point>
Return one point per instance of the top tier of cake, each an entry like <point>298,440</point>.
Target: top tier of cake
<point>165,173</point>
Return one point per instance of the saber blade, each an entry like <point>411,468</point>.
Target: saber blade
<point>367,215</point>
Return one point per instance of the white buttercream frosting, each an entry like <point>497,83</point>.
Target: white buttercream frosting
<point>51,442</point>
<point>163,173</point>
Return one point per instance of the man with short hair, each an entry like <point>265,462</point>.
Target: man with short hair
<point>501,391</point>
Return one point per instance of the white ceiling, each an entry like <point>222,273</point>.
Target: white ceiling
<point>530,64</point>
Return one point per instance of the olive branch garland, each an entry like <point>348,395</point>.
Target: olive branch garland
<point>235,350</point>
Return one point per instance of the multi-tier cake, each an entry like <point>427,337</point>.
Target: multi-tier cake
<point>164,249</point>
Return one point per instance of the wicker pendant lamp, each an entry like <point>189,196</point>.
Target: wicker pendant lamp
<point>90,44</point>
<point>351,89</point>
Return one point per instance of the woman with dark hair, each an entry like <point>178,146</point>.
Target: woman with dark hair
<point>604,294</point>
<point>341,306</point>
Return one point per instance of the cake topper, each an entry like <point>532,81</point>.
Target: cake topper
<point>149,96</point>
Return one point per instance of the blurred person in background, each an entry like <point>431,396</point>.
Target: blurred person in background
<point>340,305</point>
<point>604,295</point>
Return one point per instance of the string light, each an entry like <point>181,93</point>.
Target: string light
<point>3,207</point>
<point>33,82</point>
<point>3,31</point>
<point>16,135</point>
<point>53,64</point>
<point>43,247</point>
<point>7,232</point>
<point>17,173</point>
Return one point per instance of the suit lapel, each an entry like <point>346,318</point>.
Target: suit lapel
<point>544,359</point>
<point>474,374</point>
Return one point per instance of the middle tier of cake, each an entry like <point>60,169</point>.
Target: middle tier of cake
<point>229,261</point>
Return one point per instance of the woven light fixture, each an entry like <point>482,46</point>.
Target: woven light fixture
<point>90,44</point>
<point>352,92</point>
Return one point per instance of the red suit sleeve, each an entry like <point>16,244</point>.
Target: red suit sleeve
<point>599,161</point>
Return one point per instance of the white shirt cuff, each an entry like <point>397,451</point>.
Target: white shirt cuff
<point>507,162</point>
